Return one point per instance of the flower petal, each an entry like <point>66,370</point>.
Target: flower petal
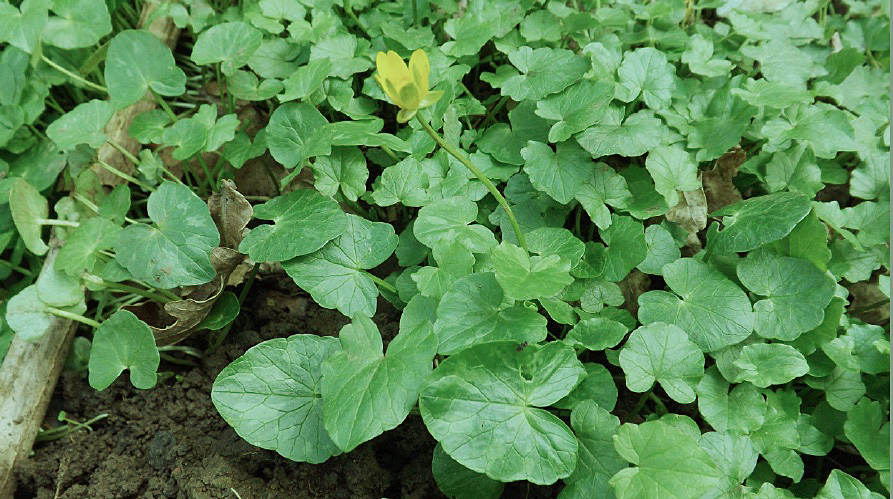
<point>419,66</point>
<point>408,95</point>
<point>405,115</point>
<point>391,66</point>
<point>431,98</point>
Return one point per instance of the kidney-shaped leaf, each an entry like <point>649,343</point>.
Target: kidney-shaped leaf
<point>137,61</point>
<point>365,392</point>
<point>77,23</point>
<point>598,460</point>
<point>483,405</point>
<point>662,352</point>
<point>176,251</point>
<point>474,311</point>
<point>669,463</point>
<point>82,125</point>
<point>713,310</point>
<point>29,317</point>
<point>123,342</point>
<point>335,275</point>
<point>272,395</point>
<point>296,132</point>
<point>230,44</point>
<point>751,223</point>
<point>303,222</point>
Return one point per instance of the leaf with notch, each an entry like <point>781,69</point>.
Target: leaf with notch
<point>484,406</point>
<point>298,131</point>
<point>137,61</point>
<point>123,342</point>
<point>366,392</point>
<point>230,44</point>
<point>82,125</point>
<point>335,276</point>
<point>272,396</point>
<point>303,222</point>
<point>176,250</point>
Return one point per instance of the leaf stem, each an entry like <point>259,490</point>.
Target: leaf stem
<point>124,288</point>
<point>20,270</point>
<point>125,176</point>
<point>381,283</point>
<point>124,152</point>
<point>78,78</point>
<point>480,175</point>
<point>62,223</point>
<point>221,336</point>
<point>164,106</point>
<point>73,316</point>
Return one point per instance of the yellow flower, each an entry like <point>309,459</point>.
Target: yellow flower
<point>407,87</point>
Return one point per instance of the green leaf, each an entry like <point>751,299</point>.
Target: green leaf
<point>22,28</point>
<point>824,127</point>
<point>602,187</point>
<point>556,241</point>
<point>344,169</point>
<point>673,170</point>
<point>576,108</point>
<point>341,51</point>
<point>735,457</point>
<point>839,485</point>
<point>743,410</point>
<point>365,392</point>
<point>526,277</point>
<point>137,61</point>
<point>781,61</point>
<point>459,482</point>
<point>538,76</point>
<point>405,183</point>
<point>202,131</point>
<point>774,94</point>
<point>28,208</point>
<point>82,125</point>
<point>597,386</point>
<point>557,173</point>
<point>275,59</point>
<point>869,430</point>
<point>149,126</point>
<point>176,250</point>
<point>669,463</point>
<point>78,23</point>
<point>765,364</point>
<point>305,80</point>
<point>225,310</point>
<point>795,170</point>
<point>297,132</point>
<point>483,406</point>
<point>475,310</point>
<point>645,72</point>
<point>335,276</point>
<point>699,57</point>
<point>796,294</point>
<point>303,221</point>
<point>626,247</point>
<point>448,220</point>
<point>541,25</point>
<point>272,396</point>
<point>230,44</point>
<point>123,342</point>
<point>58,289</point>
<point>663,353</point>
<point>28,316</point>
<point>245,85</point>
<point>808,240</point>
<point>661,248</point>
<point>241,148</point>
<point>597,460</point>
<point>713,310</point>
<point>634,136</point>
<point>754,222</point>
<point>80,252</point>
<point>596,333</point>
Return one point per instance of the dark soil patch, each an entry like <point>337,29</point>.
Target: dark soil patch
<point>169,442</point>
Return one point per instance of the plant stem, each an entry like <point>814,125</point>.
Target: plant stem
<point>78,78</point>
<point>387,150</point>
<point>90,204</point>
<point>20,270</point>
<point>73,316</point>
<point>164,106</point>
<point>480,175</point>
<point>62,223</point>
<point>640,404</point>
<point>124,288</point>
<point>242,295</point>
<point>121,149</point>
<point>125,176</point>
<point>195,352</point>
<point>381,283</point>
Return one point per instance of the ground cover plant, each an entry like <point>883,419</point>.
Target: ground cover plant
<point>639,248</point>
